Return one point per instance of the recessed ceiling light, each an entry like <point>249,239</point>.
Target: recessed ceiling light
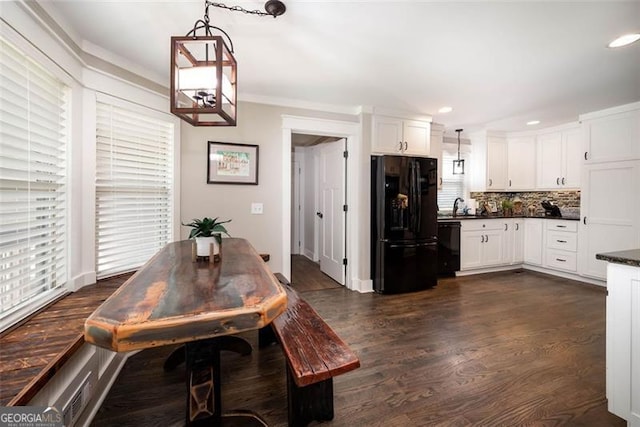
<point>533,122</point>
<point>625,40</point>
<point>445,110</point>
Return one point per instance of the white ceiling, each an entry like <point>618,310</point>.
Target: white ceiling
<point>498,64</point>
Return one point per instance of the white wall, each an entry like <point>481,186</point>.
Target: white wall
<point>257,124</point>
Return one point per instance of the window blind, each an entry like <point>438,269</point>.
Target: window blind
<point>33,199</point>
<point>134,176</point>
<point>452,185</point>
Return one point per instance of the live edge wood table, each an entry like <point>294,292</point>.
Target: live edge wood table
<point>172,299</point>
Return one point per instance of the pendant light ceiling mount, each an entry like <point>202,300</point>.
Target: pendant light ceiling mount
<point>204,70</point>
<point>458,165</point>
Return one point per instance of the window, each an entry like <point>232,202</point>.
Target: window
<point>134,186</point>
<point>33,184</point>
<point>452,185</point>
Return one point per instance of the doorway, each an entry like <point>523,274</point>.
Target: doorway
<point>318,200</point>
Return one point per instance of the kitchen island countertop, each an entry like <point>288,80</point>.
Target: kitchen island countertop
<point>630,257</point>
<point>468,217</point>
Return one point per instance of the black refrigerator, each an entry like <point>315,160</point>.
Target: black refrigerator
<point>404,224</point>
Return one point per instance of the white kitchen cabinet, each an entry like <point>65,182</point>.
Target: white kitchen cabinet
<point>558,160</point>
<point>481,244</point>
<point>561,245</point>
<point>437,137</point>
<point>612,135</point>
<point>521,165</point>
<point>399,136</point>
<point>518,230</point>
<point>610,209</point>
<point>623,342</point>
<point>533,232</point>
<point>496,163</point>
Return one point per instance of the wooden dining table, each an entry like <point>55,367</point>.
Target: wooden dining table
<point>174,299</point>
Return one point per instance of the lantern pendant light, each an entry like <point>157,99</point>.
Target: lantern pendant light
<point>458,165</point>
<point>204,71</point>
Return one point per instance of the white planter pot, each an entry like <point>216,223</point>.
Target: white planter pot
<point>202,246</point>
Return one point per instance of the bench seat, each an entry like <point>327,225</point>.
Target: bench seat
<point>314,353</point>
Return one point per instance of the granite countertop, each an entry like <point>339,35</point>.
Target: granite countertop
<point>630,257</point>
<point>466,217</point>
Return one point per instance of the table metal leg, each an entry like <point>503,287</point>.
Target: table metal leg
<point>204,404</point>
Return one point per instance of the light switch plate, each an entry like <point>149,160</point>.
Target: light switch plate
<point>256,208</point>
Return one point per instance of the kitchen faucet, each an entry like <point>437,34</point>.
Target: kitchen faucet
<point>455,205</point>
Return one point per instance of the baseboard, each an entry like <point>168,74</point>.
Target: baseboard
<point>81,280</point>
<point>361,285</point>
<point>566,275</point>
<point>488,270</point>
<point>309,254</point>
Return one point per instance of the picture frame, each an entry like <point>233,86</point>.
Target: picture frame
<point>231,163</point>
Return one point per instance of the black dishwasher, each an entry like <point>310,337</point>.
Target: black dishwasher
<point>448,248</point>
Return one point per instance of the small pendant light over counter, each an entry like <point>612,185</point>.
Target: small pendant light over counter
<point>458,165</point>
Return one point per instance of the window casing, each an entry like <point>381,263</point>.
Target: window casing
<point>452,185</point>
<point>34,140</point>
<point>134,186</point>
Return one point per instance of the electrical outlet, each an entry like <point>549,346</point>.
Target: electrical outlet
<point>256,208</point>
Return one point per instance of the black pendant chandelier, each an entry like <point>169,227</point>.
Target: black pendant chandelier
<point>204,71</point>
<point>458,165</point>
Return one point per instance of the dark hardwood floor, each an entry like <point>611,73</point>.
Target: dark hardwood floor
<point>503,349</point>
<point>306,275</point>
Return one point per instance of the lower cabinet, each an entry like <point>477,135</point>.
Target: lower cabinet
<point>561,245</point>
<point>482,244</point>
<point>623,342</point>
<point>518,229</point>
<point>533,232</point>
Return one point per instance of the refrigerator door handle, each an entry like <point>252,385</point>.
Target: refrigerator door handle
<point>418,197</point>
<point>412,245</point>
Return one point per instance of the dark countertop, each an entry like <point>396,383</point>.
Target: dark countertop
<point>466,217</point>
<point>630,257</point>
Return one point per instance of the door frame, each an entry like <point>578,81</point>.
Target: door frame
<point>351,131</point>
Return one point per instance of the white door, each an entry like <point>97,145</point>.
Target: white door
<point>572,156</point>
<point>296,205</point>
<point>496,164</point>
<point>471,249</point>
<point>416,137</point>
<point>387,137</point>
<point>533,241</point>
<point>520,163</point>
<point>493,248</point>
<point>550,160</point>
<point>518,241</point>
<point>331,213</point>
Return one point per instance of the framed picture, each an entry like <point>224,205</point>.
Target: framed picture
<point>229,163</point>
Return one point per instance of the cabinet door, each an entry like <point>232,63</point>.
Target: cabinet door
<point>496,164</point>
<point>507,241</point>
<point>613,138</point>
<point>492,248</point>
<point>416,136</point>
<point>572,159</point>
<point>521,164</point>
<point>533,241</point>
<point>437,137</point>
<point>610,202</point>
<point>471,243</point>
<point>549,161</point>
<point>518,241</point>
<point>387,135</point>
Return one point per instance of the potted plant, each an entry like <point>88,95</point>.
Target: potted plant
<point>507,207</point>
<point>206,231</point>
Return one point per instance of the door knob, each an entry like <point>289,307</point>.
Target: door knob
<point>319,215</point>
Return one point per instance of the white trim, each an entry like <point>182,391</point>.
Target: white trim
<point>544,270</point>
<point>488,270</point>
<point>364,286</point>
<point>297,103</point>
<point>83,279</point>
<point>609,111</point>
<point>402,114</point>
<point>352,132</point>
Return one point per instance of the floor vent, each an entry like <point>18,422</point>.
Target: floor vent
<point>78,401</point>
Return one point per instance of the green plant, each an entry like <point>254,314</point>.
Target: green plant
<point>207,227</point>
<point>507,204</point>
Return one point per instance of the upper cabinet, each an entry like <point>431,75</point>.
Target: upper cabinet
<point>496,163</point>
<point>559,160</point>
<point>521,167</point>
<point>437,138</point>
<point>393,135</point>
<point>612,135</point>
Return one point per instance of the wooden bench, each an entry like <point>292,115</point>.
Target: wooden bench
<point>315,354</point>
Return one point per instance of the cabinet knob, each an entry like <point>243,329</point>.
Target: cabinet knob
<point>486,238</point>
<point>400,146</point>
<point>490,182</point>
<point>509,183</point>
<point>557,181</point>
<point>481,239</point>
<point>563,180</point>
<point>584,220</point>
<point>506,227</point>
<point>585,155</point>
<point>406,146</point>
<point>517,226</point>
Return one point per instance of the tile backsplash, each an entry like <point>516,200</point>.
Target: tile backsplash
<point>568,201</point>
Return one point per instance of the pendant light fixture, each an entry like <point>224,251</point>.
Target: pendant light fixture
<point>204,71</point>
<point>458,165</point>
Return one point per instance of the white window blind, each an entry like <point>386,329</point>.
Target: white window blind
<point>134,177</point>
<point>33,199</point>
<point>452,185</point>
